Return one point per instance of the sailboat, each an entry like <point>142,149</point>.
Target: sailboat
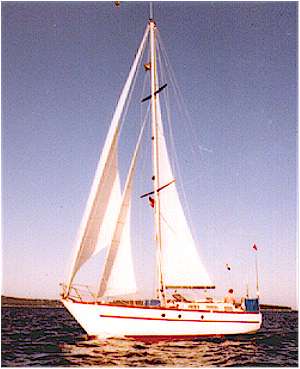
<point>106,224</point>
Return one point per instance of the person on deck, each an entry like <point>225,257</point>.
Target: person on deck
<point>229,298</point>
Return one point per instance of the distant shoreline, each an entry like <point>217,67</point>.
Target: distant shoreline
<point>275,307</point>
<point>7,301</point>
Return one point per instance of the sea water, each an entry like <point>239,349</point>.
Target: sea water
<point>51,337</point>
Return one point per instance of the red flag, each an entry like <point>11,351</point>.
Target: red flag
<point>254,247</point>
<point>151,201</point>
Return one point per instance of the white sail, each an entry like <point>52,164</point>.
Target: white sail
<point>181,263</point>
<point>118,276</point>
<point>101,209</point>
<point>107,227</point>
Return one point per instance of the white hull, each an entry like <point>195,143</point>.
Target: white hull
<point>106,320</point>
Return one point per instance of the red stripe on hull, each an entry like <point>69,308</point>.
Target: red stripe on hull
<point>177,320</point>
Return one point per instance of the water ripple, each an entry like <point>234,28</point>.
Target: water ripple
<point>50,337</point>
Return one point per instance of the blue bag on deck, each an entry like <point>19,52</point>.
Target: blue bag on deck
<point>252,305</point>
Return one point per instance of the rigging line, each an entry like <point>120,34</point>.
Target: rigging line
<point>77,262</point>
<point>176,161</point>
<point>126,107</point>
<point>146,77</point>
<point>80,251</point>
<point>166,102</point>
<point>174,158</point>
<point>124,112</point>
<point>185,112</point>
<point>167,106</point>
<point>142,217</point>
<point>142,106</point>
<point>172,77</point>
<point>181,183</point>
<point>164,99</point>
<point>167,224</point>
<point>140,180</point>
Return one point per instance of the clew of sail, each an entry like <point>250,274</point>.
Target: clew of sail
<point>118,276</point>
<point>181,263</point>
<point>101,210</point>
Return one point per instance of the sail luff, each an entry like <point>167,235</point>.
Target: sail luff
<point>109,153</point>
<point>121,221</point>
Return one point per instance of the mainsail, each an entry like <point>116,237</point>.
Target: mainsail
<point>181,264</point>
<point>102,206</point>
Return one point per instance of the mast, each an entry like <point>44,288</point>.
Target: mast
<point>155,151</point>
<point>151,10</point>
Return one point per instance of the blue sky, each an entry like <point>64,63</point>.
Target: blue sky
<point>63,67</point>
